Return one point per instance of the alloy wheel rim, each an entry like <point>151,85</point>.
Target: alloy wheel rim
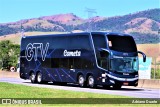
<point>39,78</point>
<point>81,80</point>
<point>32,77</point>
<point>91,81</point>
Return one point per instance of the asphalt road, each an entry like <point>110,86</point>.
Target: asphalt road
<point>125,91</point>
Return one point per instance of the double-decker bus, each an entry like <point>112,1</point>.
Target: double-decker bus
<point>87,59</point>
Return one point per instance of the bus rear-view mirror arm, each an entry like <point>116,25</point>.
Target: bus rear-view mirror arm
<point>103,49</point>
<point>104,52</point>
<point>144,56</point>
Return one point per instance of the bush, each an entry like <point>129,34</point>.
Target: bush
<point>157,74</point>
<point>9,54</point>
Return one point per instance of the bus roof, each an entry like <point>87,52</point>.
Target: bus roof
<point>110,33</point>
<point>81,33</point>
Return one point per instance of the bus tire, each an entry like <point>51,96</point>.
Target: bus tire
<point>39,77</point>
<point>81,81</point>
<point>33,77</point>
<point>91,82</point>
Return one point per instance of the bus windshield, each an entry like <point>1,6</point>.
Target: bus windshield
<point>122,43</point>
<point>124,64</point>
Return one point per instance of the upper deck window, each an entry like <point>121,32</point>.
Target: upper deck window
<point>99,41</point>
<point>122,43</point>
<point>79,42</point>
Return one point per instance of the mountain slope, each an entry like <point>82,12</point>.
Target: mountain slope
<point>69,18</point>
<point>140,24</point>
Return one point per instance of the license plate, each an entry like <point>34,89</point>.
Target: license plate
<point>125,83</point>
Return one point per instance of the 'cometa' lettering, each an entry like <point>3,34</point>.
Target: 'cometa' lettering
<point>72,53</point>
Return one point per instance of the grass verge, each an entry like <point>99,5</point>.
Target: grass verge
<point>8,90</point>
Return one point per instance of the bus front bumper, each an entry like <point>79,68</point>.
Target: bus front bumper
<point>111,80</point>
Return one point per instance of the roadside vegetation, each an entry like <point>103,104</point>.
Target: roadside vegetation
<point>9,54</point>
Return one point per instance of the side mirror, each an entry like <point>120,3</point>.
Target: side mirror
<point>144,56</point>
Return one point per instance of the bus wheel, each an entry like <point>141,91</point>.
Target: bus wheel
<point>81,81</point>
<point>91,81</point>
<point>117,87</point>
<point>39,77</point>
<point>33,78</point>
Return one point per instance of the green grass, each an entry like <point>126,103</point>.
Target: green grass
<point>8,90</point>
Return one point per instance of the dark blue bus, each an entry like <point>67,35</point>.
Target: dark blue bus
<point>88,59</point>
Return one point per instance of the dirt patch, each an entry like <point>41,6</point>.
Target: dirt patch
<point>4,74</point>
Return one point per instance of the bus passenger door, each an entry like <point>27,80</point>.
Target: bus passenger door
<point>67,69</point>
<point>74,64</point>
<point>72,70</point>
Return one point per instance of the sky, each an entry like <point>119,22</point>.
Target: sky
<point>15,10</point>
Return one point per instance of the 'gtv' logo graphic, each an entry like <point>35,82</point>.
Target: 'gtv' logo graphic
<point>32,50</point>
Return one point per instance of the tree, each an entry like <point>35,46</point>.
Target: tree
<point>8,54</point>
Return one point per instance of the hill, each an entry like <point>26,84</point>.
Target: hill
<point>16,38</point>
<point>142,25</point>
<point>68,19</point>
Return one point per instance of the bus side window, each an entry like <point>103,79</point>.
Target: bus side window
<point>63,63</point>
<point>70,63</point>
<point>46,63</point>
<point>77,63</point>
<point>103,59</point>
<point>86,64</point>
